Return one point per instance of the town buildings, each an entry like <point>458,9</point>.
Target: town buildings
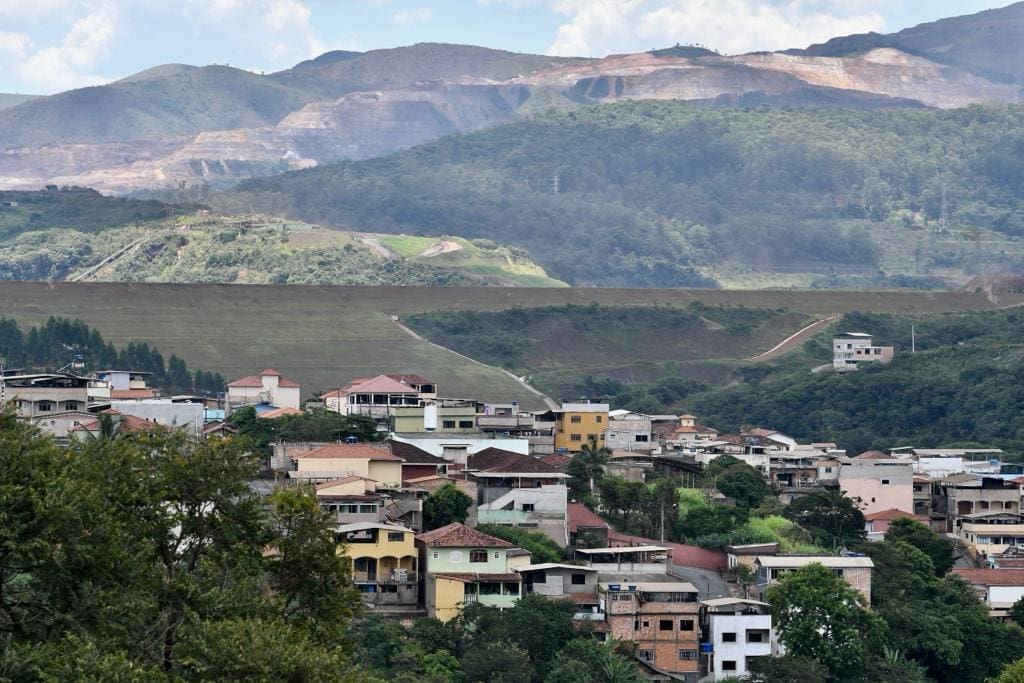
<point>855,570</point>
<point>384,562</point>
<point>735,631</point>
<point>580,424</point>
<point>878,482</point>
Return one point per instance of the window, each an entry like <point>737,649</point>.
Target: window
<point>686,624</point>
<point>455,556</point>
<point>527,507</point>
<point>45,406</point>
<point>600,418</point>
<point>575,437</point>
<point>496,555</point>
<point>641,438</point>
<point>755,637</point>
<point>540,576</point>
<point>71,405</point>
<point>636,625</point>
<point>579,579</point>
<point>687,655</point>
<point>646,624</point>
<point>885,482</point>
<point>728,665</point>
<point>396,536</point>
<point>436,555</point>
<point>728,637</point>
<point>576,419</point>
<point>477,556</point>
<point>591,437</point>
<point>448,424</point>
<point>368,509</point>
<point>664,624</point>
<point>647,655</point>
<point>465,424</point>
<point>490,588</point>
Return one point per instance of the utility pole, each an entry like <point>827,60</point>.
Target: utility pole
<point>554,184</point>
<point>913,340</point>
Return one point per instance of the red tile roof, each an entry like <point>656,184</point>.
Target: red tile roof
<point>257,380</point>
<point>381,384</point>
<point>414,455</point>
<point>358,451</point>
<point>873,455</point>
<point>473,577</point>
<point>498,460</point>
<point>557,460</point>
<point>582,516</point>
<point>891,514</point>
<point>682,555</point>
<point>457,535</point>
<point>992,577</point>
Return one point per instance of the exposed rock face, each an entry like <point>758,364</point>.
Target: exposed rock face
<point>304,122</point>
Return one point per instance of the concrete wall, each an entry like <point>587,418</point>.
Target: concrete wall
<point>742,625</point>
<point>456,560</point>
<point>558,582</point>
<point>549,514</point>
<point>176,415</point>
<point>878,486</point>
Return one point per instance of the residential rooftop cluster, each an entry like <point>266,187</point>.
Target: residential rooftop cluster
<point>679,604</point>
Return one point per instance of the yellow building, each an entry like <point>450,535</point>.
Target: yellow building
<point>370,461</point>
<point>385,561</point>
<point>577,424</point>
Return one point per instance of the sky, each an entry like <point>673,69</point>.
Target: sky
<point>51,45</point>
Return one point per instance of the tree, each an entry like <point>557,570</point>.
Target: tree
<point>587,467</point>
<point>831,518</point>
<point>821,617</point>
<point>787,668</point>
<point>938,549</point>
<point>497,662</point>
<point>1012,673</point>
<point>585,660</point>
<point>744,484</point>
<point>1017,612</point>
<point>542,548</point>
<point>444,506</point>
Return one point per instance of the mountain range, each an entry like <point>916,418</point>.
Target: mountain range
<point>217,124</point>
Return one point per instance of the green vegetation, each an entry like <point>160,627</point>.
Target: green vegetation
<point>669,194</point>
<point>642,357</point>
<point>532,642</point>
<point>961,387</point>
<point>252,250</point>
<point>542,548</point>
<point>145,558</point>
<point>75,208</point>
<point>56,344</point>
<point>445,506</point>
<point>309,426</point>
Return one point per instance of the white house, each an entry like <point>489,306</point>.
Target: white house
<point>849,349</point>
<point>267,388</point>
<point>737,631</point>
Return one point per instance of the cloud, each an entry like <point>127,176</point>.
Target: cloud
<point>67,64</point>
<point>419,15</point>
<point>15,12</point>
<point>600,27</point>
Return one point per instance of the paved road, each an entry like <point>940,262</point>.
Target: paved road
<point>709,583</point>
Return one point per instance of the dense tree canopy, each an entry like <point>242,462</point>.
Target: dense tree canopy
<point>831,518</point>
<point>444,506</point>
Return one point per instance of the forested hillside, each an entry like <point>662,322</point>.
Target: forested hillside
<point>670,194</point>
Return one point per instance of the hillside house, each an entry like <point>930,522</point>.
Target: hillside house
<point>520,490</point>
<point>992,532</point>
<point>586,528</point>
<point>450,416</point>
<point>378,396</point>
<point>335,461</point>
<point>662,619</point>
<point>877,482</point>
<point>120,385</point>
<point>465,566</point>
<point>734,632</point>
<point>999,588</point>
<point>384,562</point>
<point>44,394</point>
<point>877,523</point>
<point>961,495</point>
<point>579,424</point>
<point>267,388</point>
<point>565,582</point>
<point>416,462</point>
<point>851,349</point>
<point>856,570</point>
<point>629,431</point>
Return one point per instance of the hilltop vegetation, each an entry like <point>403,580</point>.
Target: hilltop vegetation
<point>79,244</point>
<point>963,386</point>
<point>669,194</point>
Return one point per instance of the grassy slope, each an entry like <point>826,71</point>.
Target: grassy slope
<point>325,335</point>
<point>8,100</point>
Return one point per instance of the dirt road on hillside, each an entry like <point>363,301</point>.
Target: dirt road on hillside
<point>795,339</point>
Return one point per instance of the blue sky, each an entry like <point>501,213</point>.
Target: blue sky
<point>52,45</point>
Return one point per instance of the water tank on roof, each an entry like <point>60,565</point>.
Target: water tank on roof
<point>351,439</point>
